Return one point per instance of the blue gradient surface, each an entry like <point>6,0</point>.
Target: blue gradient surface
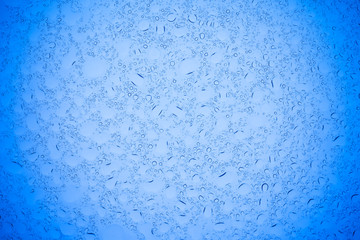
<point>179,119</point>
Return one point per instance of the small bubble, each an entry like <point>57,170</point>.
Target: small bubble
<point>216,82</point>
<point>154,163</point>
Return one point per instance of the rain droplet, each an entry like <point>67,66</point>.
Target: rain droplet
<point>171,17</point>
<point>264,187</point>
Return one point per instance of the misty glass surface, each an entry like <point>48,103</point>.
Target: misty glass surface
<point>179,119</point>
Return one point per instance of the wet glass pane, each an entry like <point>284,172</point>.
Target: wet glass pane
<point>179,119</point>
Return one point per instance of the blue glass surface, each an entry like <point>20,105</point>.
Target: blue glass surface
<point>179,119</point>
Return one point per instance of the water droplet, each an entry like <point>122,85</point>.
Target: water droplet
<point>171,17</point>
<point>148,98</point>
<point>264,187</point>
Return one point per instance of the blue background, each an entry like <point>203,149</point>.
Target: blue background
<point>179,119</point>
